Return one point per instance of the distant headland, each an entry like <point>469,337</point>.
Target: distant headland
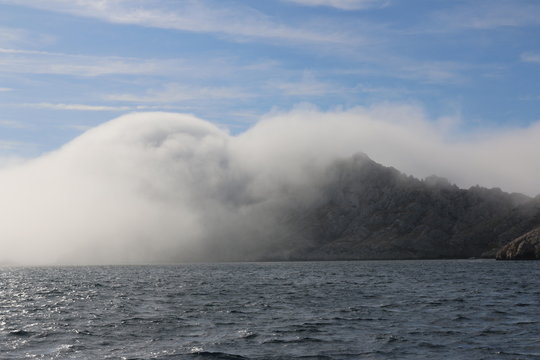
<point>369,211</point>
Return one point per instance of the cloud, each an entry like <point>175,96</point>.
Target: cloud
<point>10,145</point>
<point>530,57</point>
<point>163,187</point>
<point>87,107</point>
<point>79,178</point>
<point>433,72</point>
<point>343,4</point>
<point>57,63</point>
<point>78,107</point>
<point>9,35</point>
<point>489,15</point>
<point>13,124</point>
<point>10,161</point>
<point>172,93</point>
<point>4,89</point>
<point>202,16</point>
<point>42,62</point>
<point>20,37</point>
<point>359,41</point>
<point>308,85</point>
<point>403,137</point>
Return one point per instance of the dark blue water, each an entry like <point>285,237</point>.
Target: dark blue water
<point>311,310</point>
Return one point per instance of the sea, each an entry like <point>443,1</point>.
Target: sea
<point>447,309</point>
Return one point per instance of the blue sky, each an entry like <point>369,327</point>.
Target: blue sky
<point>69,65</point>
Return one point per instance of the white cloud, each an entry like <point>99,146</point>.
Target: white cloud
<point>203,16</point>
<point>13,124</point>
<point>20,37</point>
<point>432,71</point>
<point>489,15</point>
<point>530,57</point>
<point>87,107</point>
<point>172,93</point>
<point>308,85</point>
<point>8,145</point>
<point>5,89</point>
<point>368,42</point>
<point>57,63</point>
<point>78,127</point>
<point>9,36</point>
<point>10,161</point>
<point>153,187</point>
<point>402,136</point>
<point>436,72</point>
<point>40,62</point>
<point>79,107</point>
<point>343,4</point>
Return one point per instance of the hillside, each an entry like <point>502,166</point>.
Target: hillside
<point>369,211</point>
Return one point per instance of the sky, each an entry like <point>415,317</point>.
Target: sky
<point>69,65</point>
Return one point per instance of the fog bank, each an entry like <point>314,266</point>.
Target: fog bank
<point>163,187</point>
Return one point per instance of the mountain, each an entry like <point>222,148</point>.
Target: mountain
<point>368,211</point>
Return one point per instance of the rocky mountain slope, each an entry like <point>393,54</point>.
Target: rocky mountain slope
<point>525,247</point>
<point>369,211</point>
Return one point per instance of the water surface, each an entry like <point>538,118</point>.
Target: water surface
<point>455,309</point>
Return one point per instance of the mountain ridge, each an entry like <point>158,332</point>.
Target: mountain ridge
<point>370,211</point>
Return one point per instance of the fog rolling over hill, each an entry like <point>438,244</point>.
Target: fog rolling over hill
<point>161,188</point>
<point>359,209</point>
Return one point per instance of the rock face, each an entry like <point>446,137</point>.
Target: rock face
<point>525,247</point>
<point>369,211</point>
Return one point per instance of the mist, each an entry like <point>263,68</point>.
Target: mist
<point>164,187</point>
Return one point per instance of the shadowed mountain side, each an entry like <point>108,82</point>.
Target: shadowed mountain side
<point>369,211</point>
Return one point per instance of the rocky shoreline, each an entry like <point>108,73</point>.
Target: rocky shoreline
<point>525,247</point>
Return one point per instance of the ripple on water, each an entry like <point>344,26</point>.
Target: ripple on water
<point>310,310</point>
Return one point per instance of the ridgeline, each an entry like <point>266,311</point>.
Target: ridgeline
<point>369,211</point>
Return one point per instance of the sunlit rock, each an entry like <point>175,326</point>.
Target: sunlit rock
<point>525,247</point>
